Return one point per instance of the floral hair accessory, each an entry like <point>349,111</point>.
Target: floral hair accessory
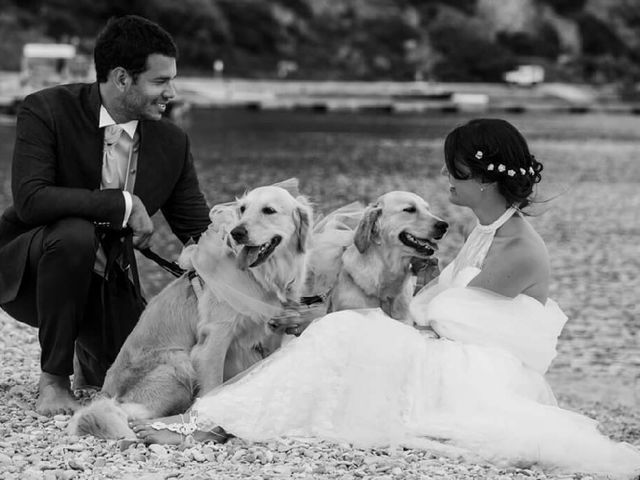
<point>479,155</point>
<point>511,172</point>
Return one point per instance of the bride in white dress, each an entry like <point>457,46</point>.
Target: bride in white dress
<point>478,391</point>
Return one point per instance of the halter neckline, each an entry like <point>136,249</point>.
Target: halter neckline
<point>501,220</point>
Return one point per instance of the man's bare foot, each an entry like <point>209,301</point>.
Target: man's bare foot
<point>156,434</point>
<point>54,395</point>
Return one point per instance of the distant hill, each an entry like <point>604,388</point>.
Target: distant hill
<point>450,40</point>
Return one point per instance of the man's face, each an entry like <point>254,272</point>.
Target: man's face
<point>148,96</point>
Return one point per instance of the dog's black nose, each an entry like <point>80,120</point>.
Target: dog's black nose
<point>239,234</point>
<point>440,228</point>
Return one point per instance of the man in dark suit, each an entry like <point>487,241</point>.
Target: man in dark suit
<point>92,163</point>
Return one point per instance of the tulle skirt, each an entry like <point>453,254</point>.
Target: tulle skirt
<point>363,378</point>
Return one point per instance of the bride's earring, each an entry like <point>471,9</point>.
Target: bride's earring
<point>481,188</point>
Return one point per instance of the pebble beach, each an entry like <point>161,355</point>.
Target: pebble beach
<point>34,447</point>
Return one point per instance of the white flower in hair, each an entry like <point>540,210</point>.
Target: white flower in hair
<point>531,171</point>
<point>479,154</point>
<point>511,173</point>
<point>501,168</point>
<point>490,167</point>
<point>523,171</point>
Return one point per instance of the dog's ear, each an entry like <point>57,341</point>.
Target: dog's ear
<point>290,185</point>
<point>303,217</point>
<point>223,217</point>
<point>366,229</point>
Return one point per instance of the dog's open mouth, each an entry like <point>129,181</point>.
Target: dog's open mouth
<point>251,256</point>
<point>423,246</point>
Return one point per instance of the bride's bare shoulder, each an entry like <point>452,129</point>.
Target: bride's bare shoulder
<point>519,241</point>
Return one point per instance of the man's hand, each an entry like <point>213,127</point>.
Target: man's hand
<point>140,223</point>
<point>296,318</point>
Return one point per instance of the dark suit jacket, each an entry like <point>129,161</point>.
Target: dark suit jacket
<point>57,168</point>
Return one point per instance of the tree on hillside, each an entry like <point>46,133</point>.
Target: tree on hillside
<point>468,52</point>
<point>198,26</point>
<point>349,39</point>
<point>598,38</point>
<point>545,43</point>
<point>566,7</point>
<point>427,6</point>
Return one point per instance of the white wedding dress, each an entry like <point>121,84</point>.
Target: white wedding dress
<point>478,391</point>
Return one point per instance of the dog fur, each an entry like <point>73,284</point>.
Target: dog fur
<point>376,268</point>
<point>184,345</point>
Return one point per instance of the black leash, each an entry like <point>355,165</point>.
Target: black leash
<point>172,267</point>
<point>312,299</point>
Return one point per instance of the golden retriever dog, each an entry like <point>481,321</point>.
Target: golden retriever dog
<point>395,231</point>
<point>251,265</point>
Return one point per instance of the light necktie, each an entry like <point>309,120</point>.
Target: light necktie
<point>116,156</point>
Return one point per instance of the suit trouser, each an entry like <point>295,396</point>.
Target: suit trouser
<point>62,296</point>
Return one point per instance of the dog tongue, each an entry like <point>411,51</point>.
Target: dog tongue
<point>247,256</point>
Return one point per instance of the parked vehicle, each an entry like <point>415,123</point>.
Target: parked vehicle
<point>44,65</point>
<point>47,64</point>
<point>525,75</point>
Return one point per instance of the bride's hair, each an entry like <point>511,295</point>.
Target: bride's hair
<point>493,150</point>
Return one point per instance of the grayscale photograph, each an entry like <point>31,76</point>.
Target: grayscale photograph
<point>320,239</point>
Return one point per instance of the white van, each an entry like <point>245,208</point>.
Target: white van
<point>525,75</point>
